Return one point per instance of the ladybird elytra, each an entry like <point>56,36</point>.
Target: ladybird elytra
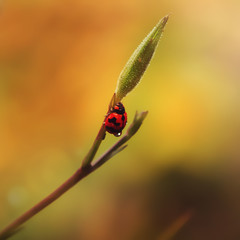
<point>116,120</point>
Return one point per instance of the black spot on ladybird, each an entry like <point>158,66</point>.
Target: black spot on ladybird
<point>112,130</point>
<point>113,120</point>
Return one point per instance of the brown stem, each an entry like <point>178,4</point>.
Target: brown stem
<point>101,135</point>
<point>91,154</point>
<point>69,183</point>
<point>75,178</point>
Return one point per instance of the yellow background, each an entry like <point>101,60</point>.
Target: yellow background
<point>59,64</point>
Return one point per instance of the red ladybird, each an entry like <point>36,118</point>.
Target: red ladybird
<point>116,120</point>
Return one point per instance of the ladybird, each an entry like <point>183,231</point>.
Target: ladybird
<point>116,120</point>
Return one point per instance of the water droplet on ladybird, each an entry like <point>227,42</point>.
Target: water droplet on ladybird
<point>118,134</point>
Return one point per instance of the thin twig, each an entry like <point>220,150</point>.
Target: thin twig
<point>69,183</point>
<point>74,179</point>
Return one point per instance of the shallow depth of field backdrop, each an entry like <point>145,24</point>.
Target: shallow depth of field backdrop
<point>59,63</point>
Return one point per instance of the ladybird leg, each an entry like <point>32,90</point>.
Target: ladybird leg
<point>106,115</point>
<point>104,136</point>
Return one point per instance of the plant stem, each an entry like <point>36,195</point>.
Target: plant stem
<point>76,177</point>
<point>98,140</point>
<point>91,154</point>
<point>69,183</point>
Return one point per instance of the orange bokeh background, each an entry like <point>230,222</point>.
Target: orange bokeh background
<point>59,64</point>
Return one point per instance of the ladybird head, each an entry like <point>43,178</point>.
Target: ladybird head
<point>119,108</point>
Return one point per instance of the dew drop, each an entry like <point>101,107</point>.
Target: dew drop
<point>118,134</point>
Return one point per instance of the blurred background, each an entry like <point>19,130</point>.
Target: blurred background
<point>179,177</point>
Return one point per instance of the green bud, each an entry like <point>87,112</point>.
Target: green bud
<point>138,62</point>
